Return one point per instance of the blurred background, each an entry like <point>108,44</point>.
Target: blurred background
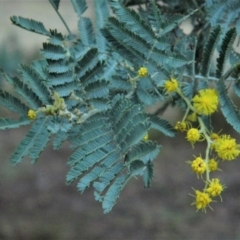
<point>36,204</point>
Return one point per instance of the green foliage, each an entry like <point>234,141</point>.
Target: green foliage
<point>86,88</point>
<point>225,13</point>
<point>30,25</point>
<point>209,51</point>
<point>226,47</point>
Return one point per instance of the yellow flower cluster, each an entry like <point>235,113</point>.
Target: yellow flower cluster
<point>171,85</point>
<point>193,135</point>
<point>31,114</point>
<point>226,147</point>
<point>214,136</point>
<point>213,165</point>
<point>181,126</point>
<point>142,72</point>
<point>146,137</point>
<point>203,199</point>
<point>206,102</point>
<point>198,165</point>
<point>215,188</point>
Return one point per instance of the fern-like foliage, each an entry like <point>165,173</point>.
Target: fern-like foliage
<point>147,42</point>
<point>228,108</point>
<point>225,13</point>
<point>211,12</point>
<point>30,25</point>
<point>107,122</point>
<point>209,51</point>
<point>109,147</point>
<point>220,74</point>
<point>86,89</point>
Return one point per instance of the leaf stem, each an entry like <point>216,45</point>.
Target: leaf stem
<point>60,16</point>
<point>209,141</point>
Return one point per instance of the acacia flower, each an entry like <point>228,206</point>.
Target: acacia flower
<point>145,138</point>
<point>171,85</point>
<point>202,200</point>
<point>212,165</point>
<point>226,147</point>
<point>215,188</point>
<point>198,165</point>
<point>142,72</point>
<point>193,135</point>
<point>214,136</point>
<point>206,101</point>
<point>181,126</point>
<point>32,114</point>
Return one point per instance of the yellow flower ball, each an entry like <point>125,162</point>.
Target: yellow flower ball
<point>212,165</point>
<point>202,200</point>
<point>171,85</point>
<point>143,72</point>
<point>215,188</point>
<point>198,165</point>
<point>32,114</point>
<point>206,101</point>
<point>214,136</point>
<point>145,138</point>
<point>226,147</point>
<point>181,126</point>
<point>193,135</point>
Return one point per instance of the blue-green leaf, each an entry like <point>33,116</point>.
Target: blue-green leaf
<point>79,6</point>
<point>228,108</point>
<point>8,123</point>
<point>162,125</point>
<point>12,103</point>
<point>32,137</point>
<point>30,25</point>
<point>113,192</point>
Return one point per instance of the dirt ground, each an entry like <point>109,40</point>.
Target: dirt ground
<point>35,203</point>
